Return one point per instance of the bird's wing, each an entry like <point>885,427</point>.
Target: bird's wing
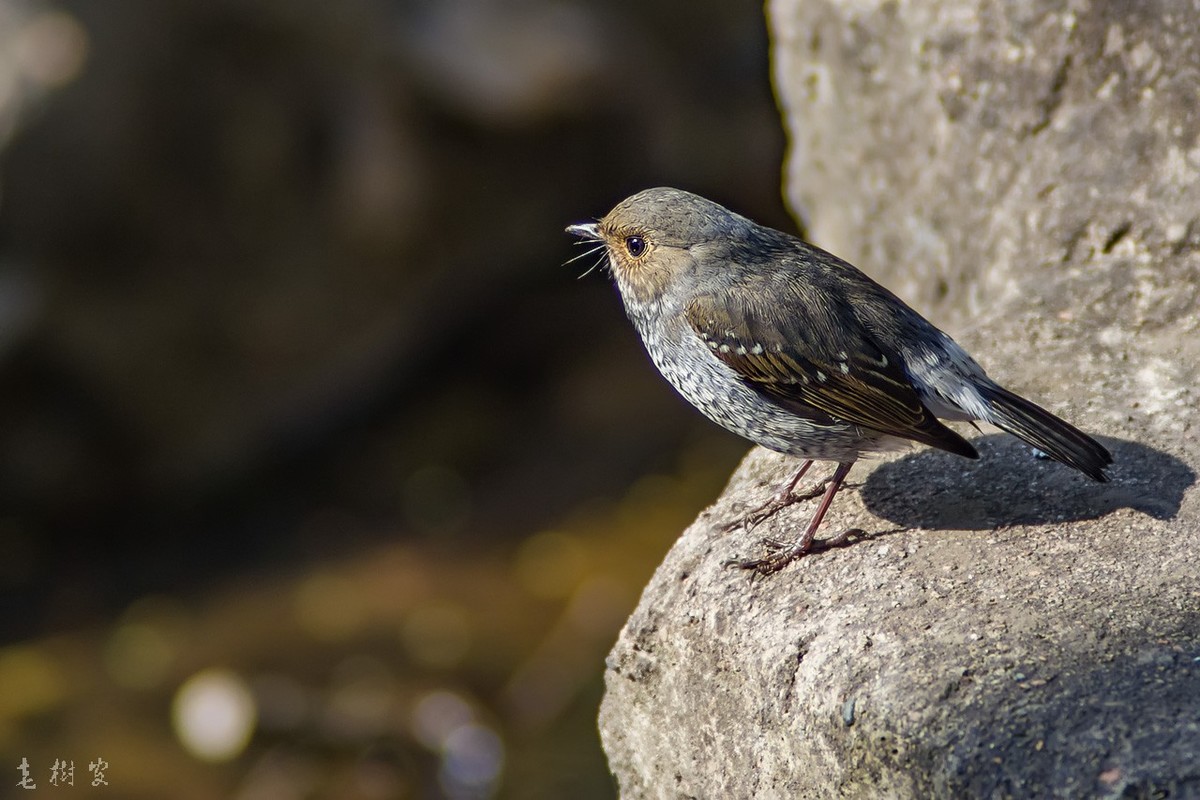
<point>820,366</point>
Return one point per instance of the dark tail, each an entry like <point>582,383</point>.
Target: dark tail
<point>1038,427</point>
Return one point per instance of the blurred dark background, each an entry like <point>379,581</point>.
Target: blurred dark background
<point>320,474</point>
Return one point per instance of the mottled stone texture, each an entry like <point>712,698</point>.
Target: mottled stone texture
<point>1027,173</point>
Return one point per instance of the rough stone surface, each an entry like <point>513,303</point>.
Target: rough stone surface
<point>1028,174</point>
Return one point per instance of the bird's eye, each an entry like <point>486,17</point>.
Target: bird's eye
<point>636,245</point>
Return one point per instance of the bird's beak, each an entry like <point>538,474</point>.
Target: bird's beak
<point>589,231</point>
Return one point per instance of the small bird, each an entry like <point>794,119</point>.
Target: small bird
<point>794,349</point>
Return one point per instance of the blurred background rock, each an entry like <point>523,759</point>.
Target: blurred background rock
<point>320,476</point>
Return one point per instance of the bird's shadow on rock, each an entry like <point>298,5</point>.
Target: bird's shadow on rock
<point>1010,485</point>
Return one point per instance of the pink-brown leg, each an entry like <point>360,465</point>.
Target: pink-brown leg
<point>779,501</point>
<point>782,553</point>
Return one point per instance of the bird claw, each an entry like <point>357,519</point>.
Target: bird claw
<point>768,564</point>
<point>777,503</point>
<point>779,553</point>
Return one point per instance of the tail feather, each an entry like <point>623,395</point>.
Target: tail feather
<point>1038,427</point>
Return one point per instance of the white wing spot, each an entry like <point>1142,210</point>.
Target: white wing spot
<point>821,376</point>
<point>757,350</point>
<point>741,351</point>
<point>724,348</point>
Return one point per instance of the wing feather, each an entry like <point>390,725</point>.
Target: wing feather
<point>817,366</point>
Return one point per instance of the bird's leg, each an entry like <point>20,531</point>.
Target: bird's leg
<point>783,553</point>
<point>780,500</point>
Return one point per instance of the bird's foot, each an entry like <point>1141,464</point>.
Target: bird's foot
<point>779,553</point>
<point>779,501</point>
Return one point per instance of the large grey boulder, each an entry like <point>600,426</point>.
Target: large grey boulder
<point>1028,175</point>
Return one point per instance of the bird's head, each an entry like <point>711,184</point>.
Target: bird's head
<point>654,240</point>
